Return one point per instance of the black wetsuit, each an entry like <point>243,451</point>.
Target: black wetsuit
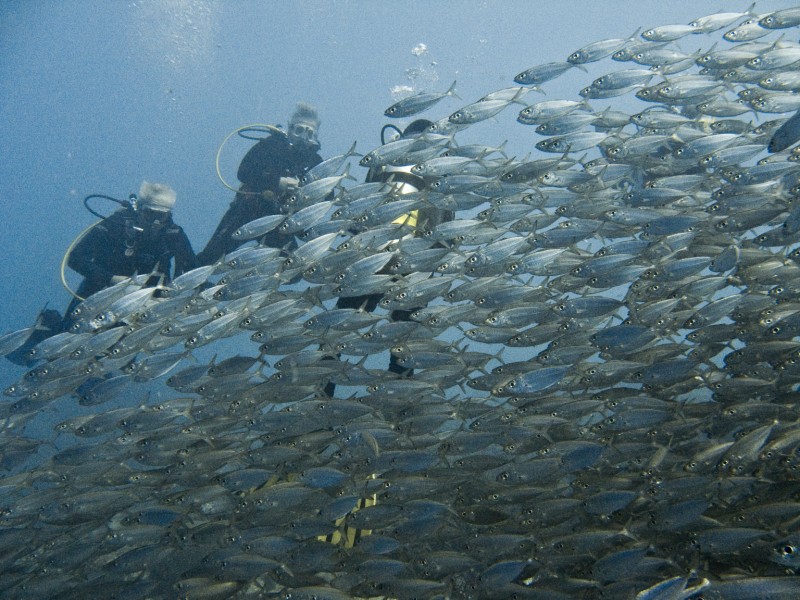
<point>122,245</point>
<point>260,171</point>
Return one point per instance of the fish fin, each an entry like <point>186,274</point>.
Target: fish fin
<point>451,91</point>
<point>352,151</point>
<point>520,93</point>
<point>501,149</point>
<point>585,106</point>
<point>346,174</point>
<point>312,295</point>
<point>536,88</point>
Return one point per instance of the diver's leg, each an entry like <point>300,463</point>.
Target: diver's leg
<point>394,366</point>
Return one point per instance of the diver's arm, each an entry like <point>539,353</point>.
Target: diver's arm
<point>84,258</point>
<point>261,168</point>
<point>185,258</point>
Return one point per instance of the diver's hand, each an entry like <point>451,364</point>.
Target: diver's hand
<point>288,184</point>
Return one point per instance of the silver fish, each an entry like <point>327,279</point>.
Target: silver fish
<point>599,50</point>
<point>544,72</point>
<point>417,103</point>
<point>258,227</point>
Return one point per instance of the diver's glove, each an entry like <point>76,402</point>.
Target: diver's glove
<point>288,184</point>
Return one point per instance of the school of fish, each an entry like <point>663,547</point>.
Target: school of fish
<point>603,362</point>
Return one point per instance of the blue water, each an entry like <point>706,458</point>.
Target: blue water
<point>97,96</point>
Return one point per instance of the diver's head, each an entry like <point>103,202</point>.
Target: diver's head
<point>154,203</point>
<point>303,127</point>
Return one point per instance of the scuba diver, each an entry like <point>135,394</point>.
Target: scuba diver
<point>269,172</point>
<point>140,238</point>
<point>407,182</point>
<point>423,219</point>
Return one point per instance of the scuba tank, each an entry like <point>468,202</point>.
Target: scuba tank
<point>408,182</point>
<point>401,176</point>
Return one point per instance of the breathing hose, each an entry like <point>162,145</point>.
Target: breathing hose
<point>253,127</point>
<point>124,203</point>
<point>64,260</point>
